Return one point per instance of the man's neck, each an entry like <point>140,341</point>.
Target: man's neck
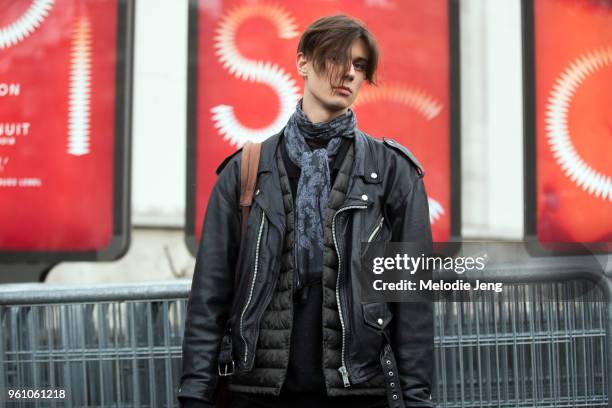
<point>316,113</point>
<point>316,143</point>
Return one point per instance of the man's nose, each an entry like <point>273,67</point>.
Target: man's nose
<point>350,74</point>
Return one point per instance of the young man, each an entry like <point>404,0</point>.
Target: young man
<point>294,331</point>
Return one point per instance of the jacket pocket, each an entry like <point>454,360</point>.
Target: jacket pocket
<point>377,315</point>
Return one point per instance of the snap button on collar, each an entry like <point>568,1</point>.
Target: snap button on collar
<point>380,321</point>
<point>364,197</point>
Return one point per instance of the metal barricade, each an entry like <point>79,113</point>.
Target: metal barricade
<point>120,345</point>
<point>544,343</point>
<point>105,345</point>
<point>525,348</point>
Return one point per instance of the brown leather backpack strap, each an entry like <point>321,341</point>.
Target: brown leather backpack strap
<point>248,178</point>
<point>248,172</point>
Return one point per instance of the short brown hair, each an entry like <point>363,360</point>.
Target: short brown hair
<point>329,39</point>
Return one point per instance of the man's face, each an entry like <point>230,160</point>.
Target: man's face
<point>317,87</point>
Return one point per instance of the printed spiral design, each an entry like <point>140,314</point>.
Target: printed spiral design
<point>245,69</point>
<point>26,24</point>
<point>559,139</point>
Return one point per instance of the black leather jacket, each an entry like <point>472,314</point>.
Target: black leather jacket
<point>386,200</point>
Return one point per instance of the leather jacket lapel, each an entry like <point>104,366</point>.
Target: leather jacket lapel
<point>270,197</point>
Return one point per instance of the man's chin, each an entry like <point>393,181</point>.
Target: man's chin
<point>336,106</point>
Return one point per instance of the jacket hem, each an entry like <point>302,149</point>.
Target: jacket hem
<point>254,389</point>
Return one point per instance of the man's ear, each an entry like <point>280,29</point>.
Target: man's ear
<point>301,64</point>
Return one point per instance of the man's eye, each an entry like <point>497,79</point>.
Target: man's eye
<point>359,66</point>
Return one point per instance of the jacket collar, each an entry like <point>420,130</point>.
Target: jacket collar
<point>270,197</point>
<point>268,151</point>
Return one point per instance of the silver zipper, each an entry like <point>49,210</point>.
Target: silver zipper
<point>373,234</point>
<point>342,369</point>
<point>246,345</point>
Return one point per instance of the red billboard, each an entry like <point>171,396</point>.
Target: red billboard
<point>64,129</point>
<point>569,173</point>
<point>244,86</point>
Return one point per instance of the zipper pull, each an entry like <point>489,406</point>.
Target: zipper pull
<point>345,378</point>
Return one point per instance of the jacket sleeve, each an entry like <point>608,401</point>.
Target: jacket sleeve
<point>211,294</point>
<point>412,331</point>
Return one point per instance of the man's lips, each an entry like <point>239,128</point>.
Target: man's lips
<point>343,89</point>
